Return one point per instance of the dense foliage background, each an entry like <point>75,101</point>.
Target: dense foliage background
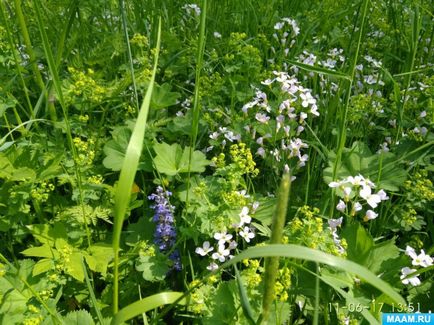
<point>336,96</point>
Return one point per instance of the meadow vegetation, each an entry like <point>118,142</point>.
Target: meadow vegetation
<point>218,162</point>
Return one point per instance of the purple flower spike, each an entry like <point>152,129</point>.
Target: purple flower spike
<point>165,231</point>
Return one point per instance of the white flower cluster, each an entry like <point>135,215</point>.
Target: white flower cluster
<point>351,189</point>
<point>421,259</point>
<point>334,224</point>
<point>225,242</point>
<point>286,28</point>
<point>225,135</point>
<point>286,32</point>
<point>192,9</point>
<point>285,122</point>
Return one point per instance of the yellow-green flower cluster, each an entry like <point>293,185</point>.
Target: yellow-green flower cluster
<point>244,53</point>
<point>65,253</point>
<point>36,320</point>
<point>420,186</point>
<point>83,118</point>
<point>84,86</point>
<point>46,294</point>
<point>283,284</point>
<point>408,217</point>
<point>199,296</point>
<point>140,40</point>
<point>219,161</point>
<point>85,151</point>
<point>252,275</point>
<point>145,249</point>
<point>235,198</point>
<point>242,156</point>
<point>42,191</point>
<point>95,179</point>
<point>308,229</point>
<point>200,189</point>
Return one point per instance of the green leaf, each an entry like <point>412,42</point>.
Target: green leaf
<point>153,268</point>
<point>115,151</point>
<point>382,169</point>
<point>79,317</point>
<point>381,253</point>
<point>359,242</point>
<point>223,308</point>
<point>75,267</point>
<point>265,211</point>
<point>101,255</point>
<point>172,159</point>
<point>40,251</point>
<point>162,96</point>
<point>43,266</point>
<point>47,234</point>
<point>142,306</point>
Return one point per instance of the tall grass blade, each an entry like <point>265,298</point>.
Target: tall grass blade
<point>92,293</point>
<point>142,306</point>
<point>245,304</point>
<point>308,254</point>
<point>320,70</point>
<point>29,48</point>
<point>344,114</point>
<point>196,104</point>
<point>272,263</point>
<point>130,57</point>
<point>128,172</point>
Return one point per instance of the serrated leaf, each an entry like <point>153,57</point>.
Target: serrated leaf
<point>79,317</point>
<point>172,159</point>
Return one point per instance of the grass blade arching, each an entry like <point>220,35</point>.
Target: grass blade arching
<point>142,306</point>
<point>128,172</point>
<point>308,254</point>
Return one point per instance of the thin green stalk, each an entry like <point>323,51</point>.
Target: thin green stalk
<point>28,43</point>
<point>128,172</point>
<point>16,59</point>
<point>317,306</point>
<point>414,47</point>
<point>92,293</point>
<point>196,103</point>
<point>343,122</point>
<point>57,86</point>
<point>130,57</point>
<point>272,263</point>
